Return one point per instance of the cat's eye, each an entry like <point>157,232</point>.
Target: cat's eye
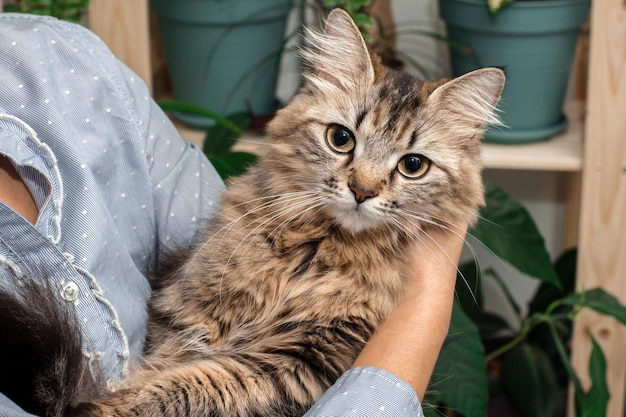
<point>413,165</point>
<point>340,139</point>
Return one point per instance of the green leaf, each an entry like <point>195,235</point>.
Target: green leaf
<point>220,139</point>
<point>218,143</point>
<point>361,19</point>
<point>468,290</point>
<point>430,411</point>
<point>489,324</point>
<point>460,377</point>
<point>546,294</point>
<point>596,400</point>
<point>530,383</point>
<point>600,301</point>
<point>507,293</point>
<point>70,10</point>
<point>356,4</point>
<point>232,163</point>
<point>543,336</point>
<point>470,298</point>
<point>186,107</point>
<point>508,230</point>
<point>567,366</point>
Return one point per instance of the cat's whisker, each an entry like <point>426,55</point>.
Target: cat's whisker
<point>453,228</point>
<point>473,253</point>
<point>308,206</point>
<point>490,251</point>
<point>270,217</point>
<point>444,225</point>
<point>418,237</point>
<point>246,139</point>
<point>274,200</point>
<point>273,216</point>
<point>262,221</point>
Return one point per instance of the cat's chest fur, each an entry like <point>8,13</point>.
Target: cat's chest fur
<point>258,276</point>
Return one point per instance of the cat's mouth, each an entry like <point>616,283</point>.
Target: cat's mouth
<point>356,217</point>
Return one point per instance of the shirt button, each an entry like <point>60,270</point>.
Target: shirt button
<point>69,291</point>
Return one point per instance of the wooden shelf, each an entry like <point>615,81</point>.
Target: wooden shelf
<point>563,152</point>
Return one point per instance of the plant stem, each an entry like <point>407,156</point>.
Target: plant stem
<point>527,325</point>
<point>578,389</point>
<point>516,341</point>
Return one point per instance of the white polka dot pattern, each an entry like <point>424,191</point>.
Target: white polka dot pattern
<point>114,182</point>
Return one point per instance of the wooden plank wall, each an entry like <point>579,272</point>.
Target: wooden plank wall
<point>602,234</point>
<point>125,27</point>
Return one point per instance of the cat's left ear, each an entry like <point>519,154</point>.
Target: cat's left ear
<point>339,56</point>
<point>473,96</point>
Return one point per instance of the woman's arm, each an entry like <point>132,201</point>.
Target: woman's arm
<point>409,341</point>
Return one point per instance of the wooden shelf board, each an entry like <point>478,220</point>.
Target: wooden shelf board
<point>563,152</point>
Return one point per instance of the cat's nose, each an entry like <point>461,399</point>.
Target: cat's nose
<point>361,193</point>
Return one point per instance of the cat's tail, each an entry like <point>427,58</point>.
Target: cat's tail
<point>42,367</point>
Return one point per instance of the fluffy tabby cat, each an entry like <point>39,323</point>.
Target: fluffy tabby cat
<point>306,255</point>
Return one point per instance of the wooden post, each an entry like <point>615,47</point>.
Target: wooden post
<point>124,25</point>
<point>602,237</point>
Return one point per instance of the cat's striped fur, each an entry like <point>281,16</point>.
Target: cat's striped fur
<point>307,253</point>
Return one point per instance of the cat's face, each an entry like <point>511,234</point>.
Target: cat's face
<point>378,149</point>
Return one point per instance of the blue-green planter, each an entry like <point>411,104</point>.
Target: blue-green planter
<point>223,54</point>
<point>535,41</point>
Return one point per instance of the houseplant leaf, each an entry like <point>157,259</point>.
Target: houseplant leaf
<point>231,163</point>
<point>186,107</point>
<point>218,143</point>
<point>70,10</point>
<point>490,324</point>
<point>468,289</point>
<point>508,295</point>
<point>546,294</point>
<point>596,400</point>
<point>600,301</point>
<point>507,229</point>
<point>460,377</point>
<point>221,137</point>
<point>470,298</point>
<point>530,382</point>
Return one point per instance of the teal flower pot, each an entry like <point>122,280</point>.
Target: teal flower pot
<point>223,54</point>
<point>535,42</point>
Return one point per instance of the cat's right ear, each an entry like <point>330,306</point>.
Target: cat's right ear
<point>472,97</point>
<point>338,57</point>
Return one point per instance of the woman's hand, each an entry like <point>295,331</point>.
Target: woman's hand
<point>408,342</point>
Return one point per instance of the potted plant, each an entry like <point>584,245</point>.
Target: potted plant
<point>529,368</point>
<point>223,54</point>
<point>535,42</point>
<point>369,16</point>
<point>382,33</point>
